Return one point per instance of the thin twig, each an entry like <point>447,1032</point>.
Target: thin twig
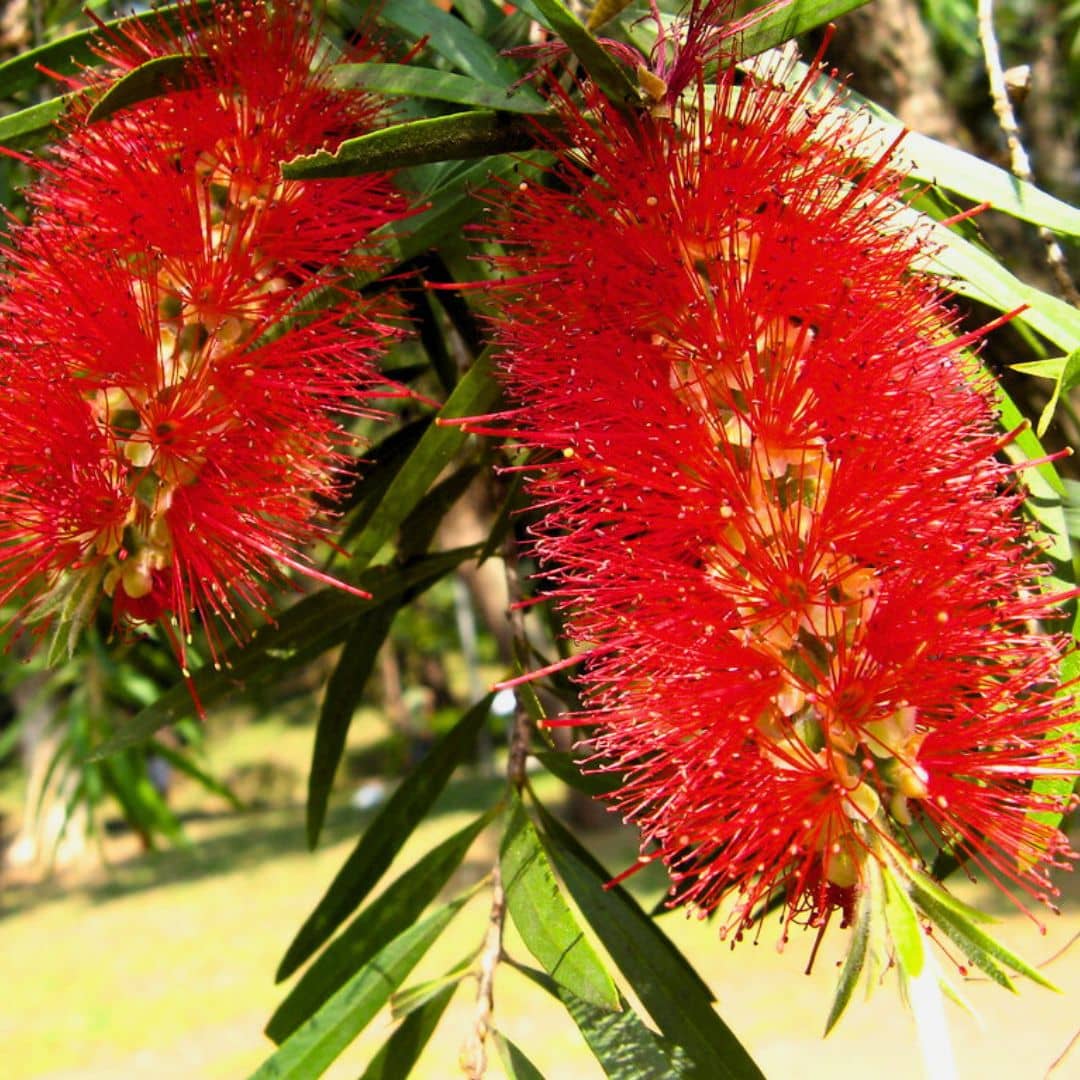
<point>1019,164</point>
<point>473,1057</point>
<point>1063,1055</point>
<point>474,1052</point>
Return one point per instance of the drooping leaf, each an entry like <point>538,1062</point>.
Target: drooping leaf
<point>960,923</point>
<point>66,54</point>
<point>853,962</point>
<point>182,761</point>
<point>419,528</point>
<point>384,837</point>
<point>603,11</point>
<point>416,996</point>
<point>903,922</point>
<point>452,39</point>
<point>415,81</point>
<point>310,1050</point>
<point>603,69</point>
<point>543,918</point>
<point>669,988</point>
<point>516,1064</point>
<point>343,691</point>
<point>562,765</point>
<point>396,909</point>
<point>401,1051</point>
<point>788,21</point>
<point>457,137</point>
<point>303,632</point>
<point>475,394</point>
<point>377,471</point>
<point>34,124</point>
<point>161,75</point>
<point>1065,371</point>
<point>625,1047</point>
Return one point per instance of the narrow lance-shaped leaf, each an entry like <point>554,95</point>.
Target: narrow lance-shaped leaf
<point>310,1050</point>
<point>343,691</point>
<point>452,39</point>
<point>384,837</point>
<point>603,69</point>
<point>786,21</point>
<point>625,1047</point>
<point>396,1059</point>
<point>543,918</point>
<point>414,81</point>
<point>161,75</point>
<point>306,630</point>
<point>662,978</point>
<point>66,54</point>
<point>396,909</point>
<point>853,962</point>
<point>479,133</point>
<point>476,393</point>
<point>959,922</point>
<point>517,1065</point>
<point>34,124</point>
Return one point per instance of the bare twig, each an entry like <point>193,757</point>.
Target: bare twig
<point>1064,1054</point>
<point>474,1052</point>
<point>1019,163</point>
<point>473,1057</point>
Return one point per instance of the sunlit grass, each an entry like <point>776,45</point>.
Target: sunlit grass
<point>163,967</point>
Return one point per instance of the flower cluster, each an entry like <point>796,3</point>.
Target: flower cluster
<point>177,331</point>
<point>774,513</point>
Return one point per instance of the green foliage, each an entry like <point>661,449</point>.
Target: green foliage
<point>466,119</point>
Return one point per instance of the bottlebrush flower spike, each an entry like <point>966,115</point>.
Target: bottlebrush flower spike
<point>773,511</point>
<point>178,335</point>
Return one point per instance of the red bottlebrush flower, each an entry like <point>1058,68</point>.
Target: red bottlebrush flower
<point>773,512</point>
<point>179,337</point>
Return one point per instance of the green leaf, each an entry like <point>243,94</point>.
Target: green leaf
<point>452,39</point>
<point>32,125</point>
<point>603,11</point>
<point>343,691</point>
<point>625,1046</point>
<point>183,762</point>
<point>903,922</point>
<point>542,917</point>
<point>1065,371</point>
<point>67,54</point>
<point>310,1050</point>
<point>417,996</point>
<point>305,631</point>
<point>853,962</point>
<point>451,205</point>
<point>516,1064</point>
<point>603,69</point>
<point>419,528</point>
<point>973,273</point>
<point>787,22</point>
<point>384,837</point>
<point>562,765</point>
<point>380,466</point>
<point>958,921</point>
<point>384,918</point>
<point>476,393</point>
<point>161,75</point>
<point>421,82</point>
<point>462,135</point>
<point>670,989</point>
<point>400,1053</point>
